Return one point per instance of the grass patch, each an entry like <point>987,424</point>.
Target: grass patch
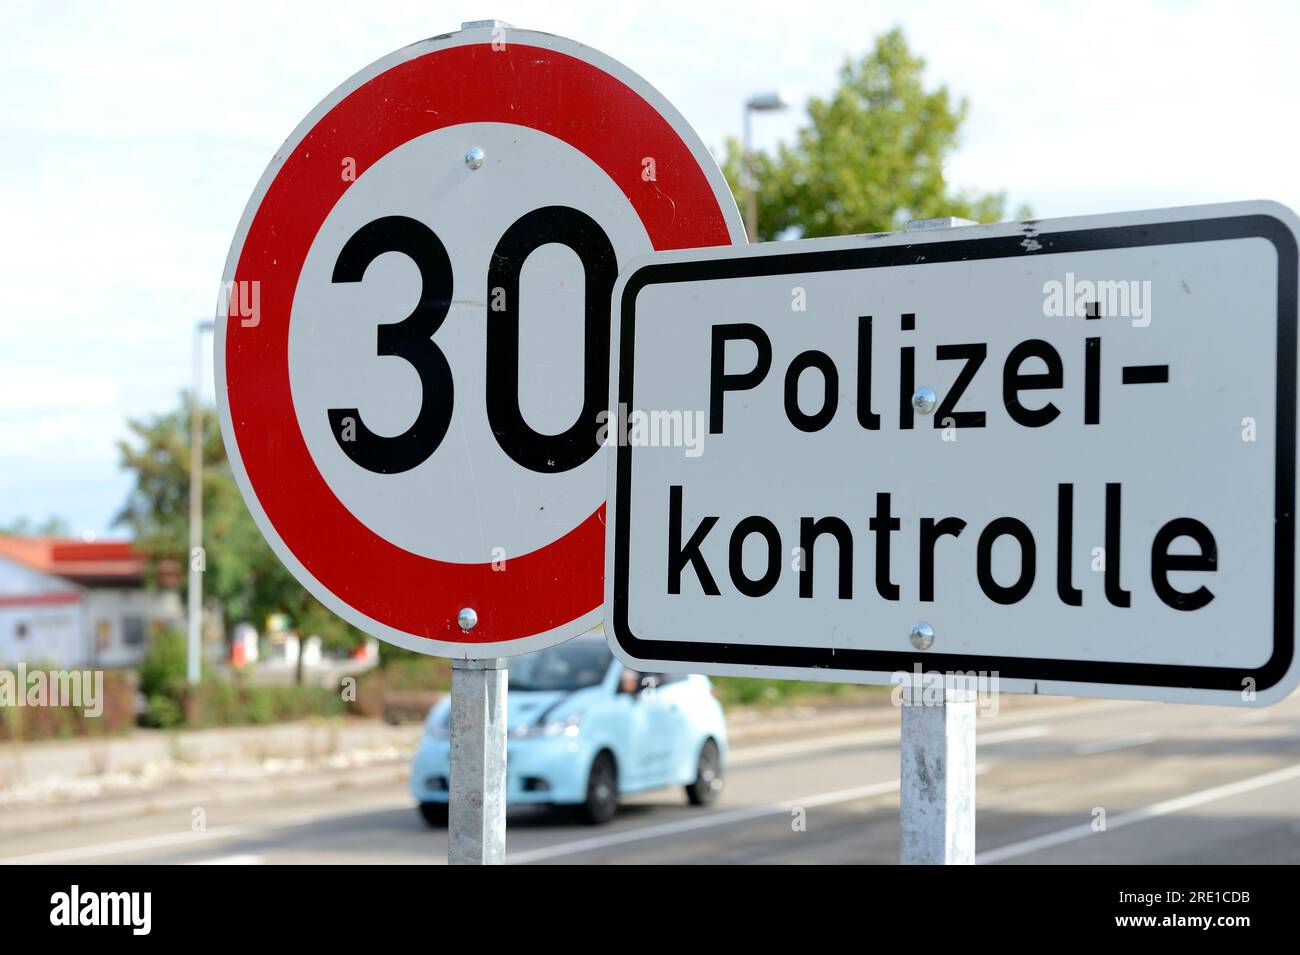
<point>746,691</point>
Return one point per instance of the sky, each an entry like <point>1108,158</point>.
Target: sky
<point>132,133</point>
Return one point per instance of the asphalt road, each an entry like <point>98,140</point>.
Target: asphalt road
<point>1176,784</point>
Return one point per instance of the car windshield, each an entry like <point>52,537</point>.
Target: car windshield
<point>570,666</point>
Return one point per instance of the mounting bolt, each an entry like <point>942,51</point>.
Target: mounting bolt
<point>922,635</point>
<point>924,400</point>
<point>467,619</point>
<point>474,157</point>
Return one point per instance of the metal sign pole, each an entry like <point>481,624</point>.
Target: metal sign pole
<point>937,765</point>
<point>937,751</point>
<point>476,820</point>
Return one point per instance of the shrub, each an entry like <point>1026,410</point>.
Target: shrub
<point>746,691</point>
<point>396,675</point>
<point>35,723</point>
<point>163,711</point>
<point>220,703</point>
<point>163,669</point>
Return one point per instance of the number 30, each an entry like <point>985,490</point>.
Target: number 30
<point>412,340</point>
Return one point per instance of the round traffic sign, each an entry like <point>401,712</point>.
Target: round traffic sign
<point>412,355</point>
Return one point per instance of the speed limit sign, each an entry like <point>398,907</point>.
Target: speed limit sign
<point>412,362</point>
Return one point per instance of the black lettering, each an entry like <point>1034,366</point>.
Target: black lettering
<point>549,453</point>
<point>1116,594</point>
<point>719,381</point>
<point>765,583</point>
<point>866,417</point>
<point>409,339</point>
<point>831,394</point>
<point>1070,595</point>
<point>906,386</point>
<point>1091,380</point>
<point>679,556</point>
<point>883,524</point>
<point>931,531</point>
<point>1163,562</point>
<point>809,531</point>
<point>1006,527</point>
<point>974,354</point>
<point>1014,382</point>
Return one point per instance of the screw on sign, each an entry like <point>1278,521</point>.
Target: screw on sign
<point>413,415</point>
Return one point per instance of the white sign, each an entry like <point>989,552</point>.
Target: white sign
<point>412,360</point>
<point>1058,455</point>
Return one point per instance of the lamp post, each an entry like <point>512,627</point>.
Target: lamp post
<point>198,561</point>
<point>758,103</point>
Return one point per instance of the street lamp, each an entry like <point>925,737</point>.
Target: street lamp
<point>758,103</point>
<point>197,563</point>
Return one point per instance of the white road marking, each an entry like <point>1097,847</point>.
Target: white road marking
<point>187,838</point>
<point>706,821</point>
<point>742,755</point>
<point>1010,736</point>
<point>1110,745</point>
<point>232,860</point>
<point>1154,811</point>
<point>756,754</point>
<point>140,844</point>
<point>1254,716</point>
<point>753,754</point>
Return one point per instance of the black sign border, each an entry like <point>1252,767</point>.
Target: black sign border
<point>1023,668</point>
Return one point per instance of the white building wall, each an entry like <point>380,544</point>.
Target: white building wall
<point>41,618</point>
<point>52,635</point>
<point>45,619</point>
<point>17,581</point>
<point>120,621</point>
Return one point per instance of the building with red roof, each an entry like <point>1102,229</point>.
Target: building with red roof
<point>71,603</point>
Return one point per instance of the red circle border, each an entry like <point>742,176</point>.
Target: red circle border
<point>521,84</point>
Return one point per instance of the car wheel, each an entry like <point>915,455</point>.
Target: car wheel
<point>434,813</point>
<point>602,791</point>
<point>708,776</point>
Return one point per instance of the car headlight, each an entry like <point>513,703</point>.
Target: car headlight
<point>568,726</point>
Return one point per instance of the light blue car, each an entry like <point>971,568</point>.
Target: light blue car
<point>584,729</point>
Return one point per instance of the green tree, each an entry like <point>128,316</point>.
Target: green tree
<point>242,573</point>
<point>26,527</point>
<point>870,157</point>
